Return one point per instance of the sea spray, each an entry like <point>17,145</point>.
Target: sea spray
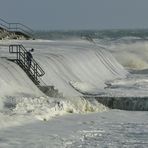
<point>44,108</point>
<point>1,104</point>
<point>132,55</point>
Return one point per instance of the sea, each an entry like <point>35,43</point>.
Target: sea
<point>99,95</point>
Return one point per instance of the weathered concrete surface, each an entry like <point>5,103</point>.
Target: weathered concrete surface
<point>4,34</point>
<point>123,103</point>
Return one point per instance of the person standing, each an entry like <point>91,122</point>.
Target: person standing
<point>29,57</point>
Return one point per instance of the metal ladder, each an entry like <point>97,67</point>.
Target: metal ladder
<point>17,28</point>
<point>34,71</point>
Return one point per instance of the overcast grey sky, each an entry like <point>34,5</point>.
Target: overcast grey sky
<point>76,14</point>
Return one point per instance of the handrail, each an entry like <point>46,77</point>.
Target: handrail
<point>16,27</point>
<point>35,70</point>
<point>33,61</point>
<point>4,21</point>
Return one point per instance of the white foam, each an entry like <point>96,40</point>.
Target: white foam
<point>73,67</point>
<point>65,62</point>
<point>45,108</point>
<point>14,81</point>
<point>86,88</point>
<point>131,55</point>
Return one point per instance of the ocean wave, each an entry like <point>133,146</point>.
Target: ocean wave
<point>18,111</point>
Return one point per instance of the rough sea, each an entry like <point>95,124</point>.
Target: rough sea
<point>101,83</point>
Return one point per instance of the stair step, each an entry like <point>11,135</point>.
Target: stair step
<point>50,91</point>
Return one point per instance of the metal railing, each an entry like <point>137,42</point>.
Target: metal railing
<point>34,70</point>
<point>16,27</point>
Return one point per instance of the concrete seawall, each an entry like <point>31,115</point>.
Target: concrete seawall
<point>4,35</point>
<point>123,103</point>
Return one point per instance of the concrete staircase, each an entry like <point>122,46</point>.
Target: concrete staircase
<point>15,31</point>
<point>4,35</point>
<point>51,91</point>
<point>34,71</point>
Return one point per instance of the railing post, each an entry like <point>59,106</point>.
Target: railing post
<point>19,51</point>
<point>35,71</point>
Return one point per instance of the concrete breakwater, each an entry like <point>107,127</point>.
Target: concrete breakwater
<point>122,103</point>
<point>4,34</point>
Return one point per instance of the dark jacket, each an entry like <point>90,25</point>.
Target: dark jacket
<point>29,56</point>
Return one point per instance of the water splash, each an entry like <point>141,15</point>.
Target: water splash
<point>45,108</point>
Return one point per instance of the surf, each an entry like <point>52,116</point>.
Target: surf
<point>80,70</point>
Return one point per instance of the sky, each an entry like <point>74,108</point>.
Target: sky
<point>76,14</point>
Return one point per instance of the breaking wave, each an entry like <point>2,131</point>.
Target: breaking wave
<point>45,108</point>
<point>132,55</point>
<point>18,111</point>
<point>75,68</point>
